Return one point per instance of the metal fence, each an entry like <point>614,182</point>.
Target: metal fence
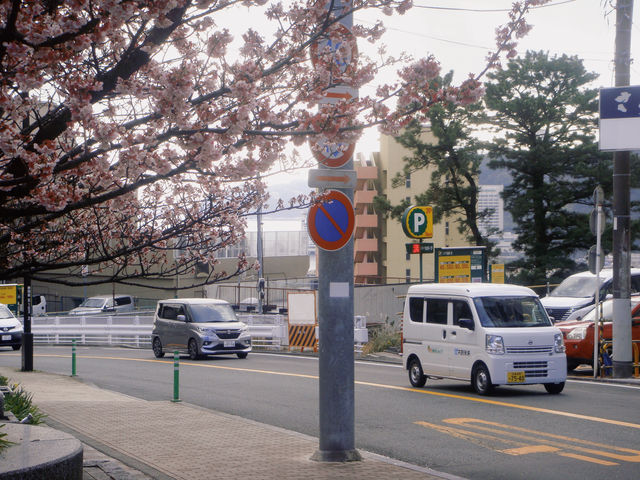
<point>134,330</point>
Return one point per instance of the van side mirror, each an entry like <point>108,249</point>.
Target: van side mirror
<point>466,323</point>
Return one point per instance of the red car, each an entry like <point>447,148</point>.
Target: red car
<point>578,334</point>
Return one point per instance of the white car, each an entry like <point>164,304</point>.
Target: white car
<point>104,304</point>
<point>10,329</point>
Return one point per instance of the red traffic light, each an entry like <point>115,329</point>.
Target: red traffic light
<point>419,248</point>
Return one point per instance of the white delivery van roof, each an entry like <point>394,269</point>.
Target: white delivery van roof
<point>470,289</point>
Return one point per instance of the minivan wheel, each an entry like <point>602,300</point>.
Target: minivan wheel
<point>157,348</point>
<point>193,350</point>
<point>416,375</point>
<point>481,380</point>
<point>554,388</point>
<point>16,347</point>
<point>242,354</point>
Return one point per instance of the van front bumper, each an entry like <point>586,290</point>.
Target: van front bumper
<point>504,369</point>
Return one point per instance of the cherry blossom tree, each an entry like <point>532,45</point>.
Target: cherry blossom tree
<point>131,128</point>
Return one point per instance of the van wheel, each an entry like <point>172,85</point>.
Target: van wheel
<point>193,350</point>
<point>157,348</point>
<point>16,347</point>
<point>554,388</point>
<point>242,354</point>
<point>416,375</point>
<point>481,380</point>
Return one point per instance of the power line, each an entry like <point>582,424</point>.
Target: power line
<point>488,10</point>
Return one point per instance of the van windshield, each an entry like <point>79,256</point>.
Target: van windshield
<point>511,312</point>
<point>204,313</point>
<point>580,287</point>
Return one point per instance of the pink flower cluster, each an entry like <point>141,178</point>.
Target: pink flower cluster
<point>127,128</point>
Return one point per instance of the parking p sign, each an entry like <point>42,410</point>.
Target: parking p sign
<point>417,222</point>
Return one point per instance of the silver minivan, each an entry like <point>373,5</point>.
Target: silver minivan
<point>199,327</point>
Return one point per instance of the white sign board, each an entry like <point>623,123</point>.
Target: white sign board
<point>302,308</point>
<point>620,118</point>
<point>325,178</point>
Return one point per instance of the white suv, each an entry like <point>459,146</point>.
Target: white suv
<point>577,291</point>
<point>198,326</point>
<point>105,304</point>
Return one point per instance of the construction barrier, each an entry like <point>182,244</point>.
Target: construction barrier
<point>303,336</point>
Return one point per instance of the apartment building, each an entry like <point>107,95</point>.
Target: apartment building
<point>380,242</point>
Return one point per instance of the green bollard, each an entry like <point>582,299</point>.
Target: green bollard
<point>73,357</point>
<point>176,377</point>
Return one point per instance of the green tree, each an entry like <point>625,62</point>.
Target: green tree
<point>454,162</point>
<point>546,116</point>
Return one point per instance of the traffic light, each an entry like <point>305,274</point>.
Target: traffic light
<point>419,248</point>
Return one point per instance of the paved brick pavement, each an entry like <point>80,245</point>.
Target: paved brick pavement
<point>138,439</point>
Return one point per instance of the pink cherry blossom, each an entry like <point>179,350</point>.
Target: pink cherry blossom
<point>130,129</point>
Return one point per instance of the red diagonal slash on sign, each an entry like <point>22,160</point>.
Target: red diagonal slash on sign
<point>330,218</point>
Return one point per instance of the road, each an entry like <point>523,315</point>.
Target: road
<point>591,430</point>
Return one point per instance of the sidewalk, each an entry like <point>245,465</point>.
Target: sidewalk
<point>128,438</point>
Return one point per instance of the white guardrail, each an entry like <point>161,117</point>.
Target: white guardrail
<point>134,330</point>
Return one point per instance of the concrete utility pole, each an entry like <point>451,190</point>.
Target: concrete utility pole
<point>622,348</point>
<point>335,273</point>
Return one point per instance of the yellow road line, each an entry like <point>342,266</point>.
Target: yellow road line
<point>587,459</point>
<point>535,442</point>
<point>537,436</point>
<point>530,449</point>
<point>379,385</point>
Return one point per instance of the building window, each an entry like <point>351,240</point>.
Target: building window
<point>407,256</point>
<point>407,275</point>
<point>407,180</point>
<point>446,228</point>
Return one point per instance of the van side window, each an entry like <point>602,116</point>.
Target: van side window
<point>437,310</point>
<point>461,310</point>
<point>416,309</point>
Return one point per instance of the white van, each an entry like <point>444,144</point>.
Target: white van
<point>489,334</point>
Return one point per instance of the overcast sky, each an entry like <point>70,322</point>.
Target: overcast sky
<point>460,33</point>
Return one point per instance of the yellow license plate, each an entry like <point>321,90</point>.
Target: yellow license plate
<point>515,377</point>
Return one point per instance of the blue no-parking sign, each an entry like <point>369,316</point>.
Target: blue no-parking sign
<point>332,221</point>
